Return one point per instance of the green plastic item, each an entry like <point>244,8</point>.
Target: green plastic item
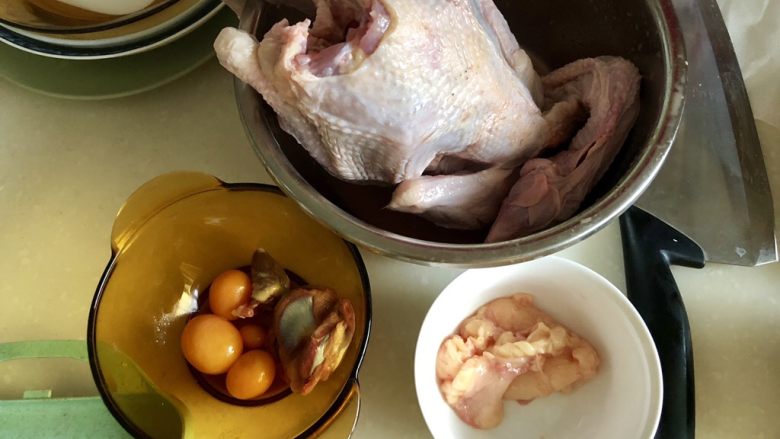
<point>39,416</point>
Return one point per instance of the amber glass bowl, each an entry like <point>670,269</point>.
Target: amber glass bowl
<point>171,238</point>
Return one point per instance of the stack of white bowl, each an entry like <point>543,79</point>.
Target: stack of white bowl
<point>63,48</point>
<point>105,29</point>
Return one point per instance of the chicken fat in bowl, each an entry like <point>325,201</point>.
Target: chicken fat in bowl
<point>509,350</point>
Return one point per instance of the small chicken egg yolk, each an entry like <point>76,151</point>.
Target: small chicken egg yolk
<point>228,291</point>
<point>211,344</point>
<point>253,336</point>
<point>251,375</point>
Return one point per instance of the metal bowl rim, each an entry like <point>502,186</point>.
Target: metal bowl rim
<point>551,240</point>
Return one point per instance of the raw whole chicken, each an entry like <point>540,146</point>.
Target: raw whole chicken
<point>438,98</point>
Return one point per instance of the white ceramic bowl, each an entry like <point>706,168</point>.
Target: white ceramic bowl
<point>152,32</point>
<point>623,401</point>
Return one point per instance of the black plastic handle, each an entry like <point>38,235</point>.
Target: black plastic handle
<point>650,247</point>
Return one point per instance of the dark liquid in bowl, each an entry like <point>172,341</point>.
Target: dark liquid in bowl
<point>215,384</point>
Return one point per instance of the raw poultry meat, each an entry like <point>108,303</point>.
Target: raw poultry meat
<point>438,97</point>
<point>384,112</point>
<point>509,350</point>
<point>551,190</point>
<point>468,201</point>
<point>602,90</point>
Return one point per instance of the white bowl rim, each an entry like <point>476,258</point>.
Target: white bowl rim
<point>107,42</point>
<point>610,291</point>
<point>192,21</point>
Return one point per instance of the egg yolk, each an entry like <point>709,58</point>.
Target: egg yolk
<point>251,375</point>
<point>211,344</point>
<point>228,291</point>
<point>253,336</point>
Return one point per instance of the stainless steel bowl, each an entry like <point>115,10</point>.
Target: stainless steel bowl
<point>556,32</point>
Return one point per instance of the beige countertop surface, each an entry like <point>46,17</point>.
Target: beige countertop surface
<point>66,167</point>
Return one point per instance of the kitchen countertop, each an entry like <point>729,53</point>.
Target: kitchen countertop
<point>66,167</point>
